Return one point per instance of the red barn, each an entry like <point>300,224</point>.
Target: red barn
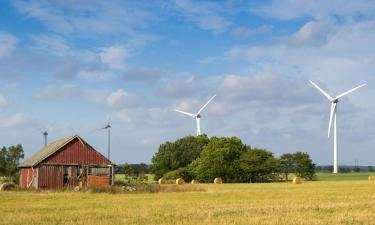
<point>66,163</point>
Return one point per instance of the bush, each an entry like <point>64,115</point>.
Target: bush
<point>183,173</point>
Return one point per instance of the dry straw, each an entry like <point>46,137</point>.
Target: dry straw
<point>161,181</point>
<point>297,180</point>
<point>371,177</point>
<point>218,180</point>
<point>194,182</point>
<point>7,186</point>
<point>180,181</point>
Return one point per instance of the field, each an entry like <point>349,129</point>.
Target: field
<point>318,202</point>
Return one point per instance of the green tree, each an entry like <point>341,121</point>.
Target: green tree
<point>9,161</point>
<point>287,164</point>
<point>3,164</point>
<point>304,166</point>
<point>174,155</point>
<point>258,165</point>
<point>220,158</point>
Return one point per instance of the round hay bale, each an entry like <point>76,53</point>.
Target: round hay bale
<point>297,180</point>
<point>194,182</point>
<point>7,187</point>
<point>123,188</point>
<point>371,177</point>
<point>76,188</point>
<point>180,181</point>
<point>161,181</point>
<point>218,180</point>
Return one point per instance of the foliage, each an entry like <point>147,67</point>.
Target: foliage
<point>287,164</point>
<point>258,165</point>
<point>9,161</point>
<point>137,168</point>
<point>174,155</point>
<point>304,167</point>
<point>220,158</point>
<point>182,172</point>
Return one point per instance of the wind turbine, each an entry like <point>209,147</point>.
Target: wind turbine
<point>333,116</point>
<point>108,128</point>
<point>45,134</point>
<point>197,115</point>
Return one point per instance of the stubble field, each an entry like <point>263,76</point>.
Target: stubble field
<point>316,202</point>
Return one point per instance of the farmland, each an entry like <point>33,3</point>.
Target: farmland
<point>316,202</point>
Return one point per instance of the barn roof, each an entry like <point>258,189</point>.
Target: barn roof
<point>48,150</point>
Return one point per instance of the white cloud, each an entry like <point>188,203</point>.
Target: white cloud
<point>120,99</point>
<point>7,44</point>
<point>182,88</point>
<point>148,76</point>
<point>114,56</point>
<point>3,101</point>
<point>205,14</point>
<point>318,9</point>
<point>243,31</point>
<point>66,17</point>
<point>312,33</point>
<point>59,92</point>
<point>9,121</point>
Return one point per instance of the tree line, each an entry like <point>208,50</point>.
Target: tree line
<point>204,158</point>
<point>9,162</point>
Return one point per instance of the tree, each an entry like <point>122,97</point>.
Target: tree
<point>3,155</point>
<point>258,165</point>
<point>304,167</point>
<point>287,164</point>
<point>174,155</point>
<point>9,161</point>
<point>220,158</point>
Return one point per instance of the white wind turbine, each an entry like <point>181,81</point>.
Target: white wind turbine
<point>197,115</point>
<point>333,116</point>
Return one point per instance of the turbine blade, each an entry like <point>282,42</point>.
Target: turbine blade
<point>204,106</point>
<point>186,113</point>
<point>351,90</point>
<point>333,107</point>
<point>321,90</point>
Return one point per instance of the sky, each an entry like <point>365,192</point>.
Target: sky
<point>69,65</point>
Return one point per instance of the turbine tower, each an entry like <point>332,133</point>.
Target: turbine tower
<point>197,115</point>
<point>45,134</point>
<point>333,116</point>
<point>108,128</point>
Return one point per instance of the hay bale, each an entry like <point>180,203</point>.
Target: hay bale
<point>161,181</point>
<point>194,182</point>
<point>180,181</point>
<point>371,177</point>
<point>218,180</point>
<point>297,180</point>
<point>76,188</point>
<point>7,187</point>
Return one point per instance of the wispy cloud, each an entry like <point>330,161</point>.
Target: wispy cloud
<point>7,44</point>
<point>206,15</point>
<point>99,17</point>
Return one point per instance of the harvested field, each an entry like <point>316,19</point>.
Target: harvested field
<point>317,202</point>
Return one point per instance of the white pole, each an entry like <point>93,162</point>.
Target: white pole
<point>198,125</point>
<point>335,149</point>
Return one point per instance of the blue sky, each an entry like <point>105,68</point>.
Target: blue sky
<point>68,65</point>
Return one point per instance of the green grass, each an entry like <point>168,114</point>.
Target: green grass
<point>121,177</point>
<point>344,176</point>
<point>317,202</point>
